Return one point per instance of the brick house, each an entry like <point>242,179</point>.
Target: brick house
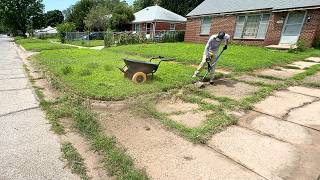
<point>256,22</point>
<point>155,18</point>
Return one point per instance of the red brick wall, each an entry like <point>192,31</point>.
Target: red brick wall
<point>274,32</point>
<point>225,23</point>
<point>311,27</point>
<point>160,26</point>
<point>277,20</point>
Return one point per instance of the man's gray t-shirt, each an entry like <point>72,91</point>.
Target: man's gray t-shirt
<point>214,44</point>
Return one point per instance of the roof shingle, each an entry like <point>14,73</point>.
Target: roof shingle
<point>231,6</point>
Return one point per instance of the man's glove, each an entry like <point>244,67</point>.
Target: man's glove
<point>225,47</point>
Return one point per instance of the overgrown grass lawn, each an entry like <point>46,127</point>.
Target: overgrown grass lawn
<point>91,43</point>
<point>96,74</point>
<point>237,57</point>
<point>40,45</point>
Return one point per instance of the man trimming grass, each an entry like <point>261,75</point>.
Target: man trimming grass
<point>210,53</point>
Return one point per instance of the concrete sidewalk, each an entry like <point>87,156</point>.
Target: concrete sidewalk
<point>29,150</point>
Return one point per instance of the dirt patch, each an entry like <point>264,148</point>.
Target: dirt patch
<point>314,59</point>
<point>163,154</point>
<point>231,89</point>
<point>281,73</point>
<point>254,79</point>
<point>48,91</point>
<point>175,105</point>
<point>92,160</point>
<point>191,119</point>
<point>265,155</point>
<point>303,65</point>
<point>281,102</point>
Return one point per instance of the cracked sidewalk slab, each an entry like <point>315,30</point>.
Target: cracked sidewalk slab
<point>264,155</point>
<point>281,102</point>
<point>279,129</point>
<point>308,115</point>
<point>306,91</point>
<point>17,100</point>
<point>162,153</point>
<point>281,73</point>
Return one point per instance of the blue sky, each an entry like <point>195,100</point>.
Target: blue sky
<point>63,4</point>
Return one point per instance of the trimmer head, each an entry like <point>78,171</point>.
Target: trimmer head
<point>200,84</point>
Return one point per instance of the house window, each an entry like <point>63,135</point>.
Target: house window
<point>205,26</point>
<point>137,27</point>
<point>172,27</point>
<point>252,26</point>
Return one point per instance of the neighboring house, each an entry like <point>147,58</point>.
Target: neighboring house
<point>156,18</point>
<point>48,31</point>
<point>256,22</point>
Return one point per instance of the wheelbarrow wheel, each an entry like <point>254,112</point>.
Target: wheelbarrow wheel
<point>139,77</point>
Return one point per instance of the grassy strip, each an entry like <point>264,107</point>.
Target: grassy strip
<point>39,45</point>
<point>116,161</point>
<point>75,161</point>
<point>238,57</point>
<point>53,113</point>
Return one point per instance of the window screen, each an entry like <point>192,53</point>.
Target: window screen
<point>172,27</point>
<point>137,27</point>
<point>205,26</point>
<point>252,26</point>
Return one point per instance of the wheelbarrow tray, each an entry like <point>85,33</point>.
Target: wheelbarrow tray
<point>140,66</point>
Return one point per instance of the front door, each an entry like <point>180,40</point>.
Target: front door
<point>292,27</point>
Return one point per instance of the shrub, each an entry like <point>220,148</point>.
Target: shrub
<point>108,39</point>
<point>67,70</point>
<point>317,42</point>
<point>300,46</point>
<point>63,29</point>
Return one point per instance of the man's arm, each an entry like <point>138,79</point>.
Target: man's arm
<point>207,48</point>
<point>226,40</point>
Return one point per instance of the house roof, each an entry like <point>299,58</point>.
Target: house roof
<point>157,13</point>
<point>231,6</point>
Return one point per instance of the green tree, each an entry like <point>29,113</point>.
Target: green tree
<point>122,16</point>
<point>97,19</point>
<point>141,4</point>
<point>54,18</point>
<point>182,7</point>
<point>18,15</point>
<point>63,29</point>
<point>78,12</point>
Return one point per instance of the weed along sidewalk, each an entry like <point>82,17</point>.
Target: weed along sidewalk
<point>258,122</point>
